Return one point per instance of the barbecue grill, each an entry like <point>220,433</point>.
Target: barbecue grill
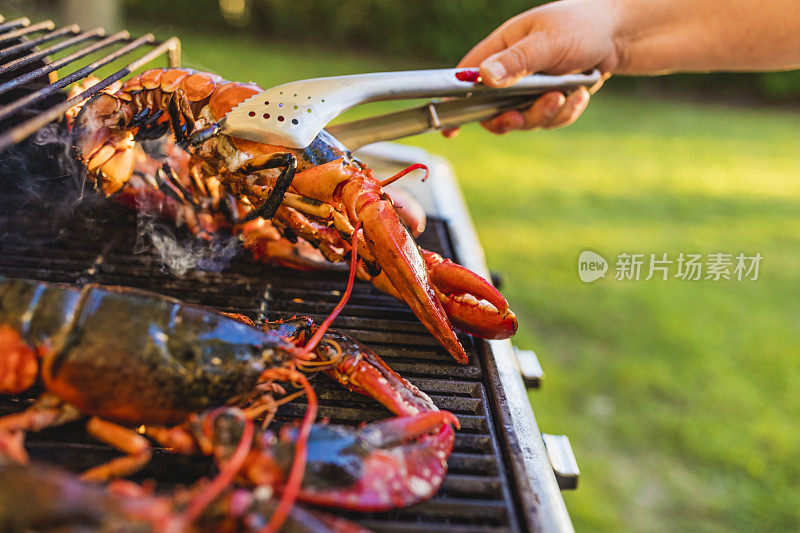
<point>500,475</point>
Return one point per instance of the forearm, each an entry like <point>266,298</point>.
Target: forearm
<point>658,36</point>
<point>632,37</point>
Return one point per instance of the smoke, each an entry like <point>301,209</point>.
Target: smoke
<point>42,175</point>
<point>163,226</point>
<point>181,253</point>
<point>41,170</point>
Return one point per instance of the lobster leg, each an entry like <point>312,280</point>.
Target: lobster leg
<point>134,445</point>
<point>289,164</point>
<point>167,174</point>
<point>179,130</point>
<point>179,108</point>
<point>19,364</point>
<point>12,445</point>
<point>167,184</point>
<point>361,370</point>
<point>47,412</point>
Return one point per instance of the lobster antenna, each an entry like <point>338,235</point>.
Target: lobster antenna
<point>292,488</point>
<point>226,474</point>
<point>312,343</point>
<point>405,171</point>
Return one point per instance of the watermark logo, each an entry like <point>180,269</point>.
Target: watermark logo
<point>591,266</point>
<point>683,266</point>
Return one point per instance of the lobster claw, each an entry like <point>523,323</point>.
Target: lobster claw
<point>362,370</point>
<point>387,464</point>
<point>473,304</point>
<point>404,271</point>
<point>399,258</point>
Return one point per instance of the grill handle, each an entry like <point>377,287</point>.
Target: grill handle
<point>565,467</point>
<point>529,367</point>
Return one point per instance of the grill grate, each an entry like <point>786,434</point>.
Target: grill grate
<point>499,478</point>
<point>476,492</point>
<point>30,90</point>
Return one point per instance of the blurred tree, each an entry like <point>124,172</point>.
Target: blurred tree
<point>92,13</point>
<point>437,33</point>
<point>235,12</point>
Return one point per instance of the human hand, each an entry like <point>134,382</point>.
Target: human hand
<point>558,38</point>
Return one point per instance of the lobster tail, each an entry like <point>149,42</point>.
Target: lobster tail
<point>145,107</point>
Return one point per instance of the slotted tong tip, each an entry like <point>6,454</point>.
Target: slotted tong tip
<point>294,113</point>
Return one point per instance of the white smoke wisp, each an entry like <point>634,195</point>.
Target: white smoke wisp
<point>180,254</point>
<point>58,144</point>
<point>40,172</point>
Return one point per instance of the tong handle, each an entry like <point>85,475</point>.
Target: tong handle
<point>456,82</point>
<point>430,117</point>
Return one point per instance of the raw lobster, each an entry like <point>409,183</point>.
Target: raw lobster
<point>129,358</point>
<point>321,193</point>
<point>46,499</point>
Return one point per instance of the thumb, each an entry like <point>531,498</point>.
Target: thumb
<point>526,56</point>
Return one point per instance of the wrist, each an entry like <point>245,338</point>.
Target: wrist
<point>625,30</point>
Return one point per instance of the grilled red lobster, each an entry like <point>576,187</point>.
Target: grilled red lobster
<point>320,194</point>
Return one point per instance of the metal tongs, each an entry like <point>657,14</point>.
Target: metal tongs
<point>293,114</point>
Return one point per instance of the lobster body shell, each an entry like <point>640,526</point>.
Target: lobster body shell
<point>115,115</point>
<point>132,358</point>
<point>173,360</point>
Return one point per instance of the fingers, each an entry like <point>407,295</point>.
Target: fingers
<point>551,110</point>
<point>505,122</point>
<point>510,32</point>
<point>451,133</point>
<point>491,45</point>
<point>544,110</point>
<point>574,105</point>
<point>524,57</point>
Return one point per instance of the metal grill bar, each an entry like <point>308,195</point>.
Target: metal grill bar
<point>25,56</point>
<point>18,134</point>
<point>82,73</point>
<point>16,23</point>
<point>39,26</point>
<point>30,58</point>
<point>52,88</point>
<point>12,50</point>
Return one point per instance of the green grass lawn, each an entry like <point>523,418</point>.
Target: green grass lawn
<point>680,397</point>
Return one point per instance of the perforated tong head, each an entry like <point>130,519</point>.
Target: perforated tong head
<point>293,114</point>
